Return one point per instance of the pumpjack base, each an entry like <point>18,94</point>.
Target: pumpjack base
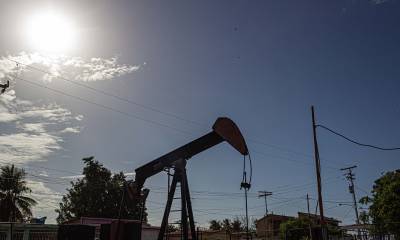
<point>180,177</point>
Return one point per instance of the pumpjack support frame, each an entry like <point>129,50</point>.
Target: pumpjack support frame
<point>224,129</point>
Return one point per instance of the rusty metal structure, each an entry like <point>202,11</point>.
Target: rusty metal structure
<point>223,130</point>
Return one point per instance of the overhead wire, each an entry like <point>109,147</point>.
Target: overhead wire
<point>356,142</point>
<point>176,116</point>
<point>113,109</point>
<point>104,106</point>
<point>106,93</point>
<point>126,100</point>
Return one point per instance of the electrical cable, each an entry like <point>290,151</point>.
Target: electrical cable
<point>105,107</point>
<point>135,103</point>
<point>355,142</point>
<point>111,95</point>
<point>174,115</point>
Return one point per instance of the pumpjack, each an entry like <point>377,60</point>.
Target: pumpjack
<point>223,130</point>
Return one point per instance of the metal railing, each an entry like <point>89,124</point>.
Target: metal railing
<point>21,231</point>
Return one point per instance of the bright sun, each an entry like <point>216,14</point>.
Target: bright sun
<point>51,32</point>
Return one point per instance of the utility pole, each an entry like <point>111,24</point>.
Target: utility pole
<point>309,218</point>
<point>168,171</point>
<point>350,177</point>
<point>265,194</point>
<point>318,170</point>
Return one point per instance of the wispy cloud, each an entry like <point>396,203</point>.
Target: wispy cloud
<point>71,130</point>
<point>25,135</point>
<point>47,200</point>
<point>33,127</point>
<point>128,174</point>
<point>33,131</point>
<point>24,147</point>
<point>74,68</point>
<point>377,2</point>
<point>72,177</point>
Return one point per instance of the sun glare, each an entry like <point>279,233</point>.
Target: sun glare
<point>50,31</point>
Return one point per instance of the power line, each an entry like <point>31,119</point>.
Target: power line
<point>174,115</point>
<point>105,107</point>
<point>125,113</point>
<point>358,143</point>
<point>112,95</point>
<point>292,160</point>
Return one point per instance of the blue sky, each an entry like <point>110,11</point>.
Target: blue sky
<point>261,63</point>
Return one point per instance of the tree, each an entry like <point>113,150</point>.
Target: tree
<point>172,228</point>
<point>215,225</point>
<point>364,217</point>
<point>384,211</point>
<point>98,194</point>
<point>295,229</point>
<point>15,206</point>
<point>299,228</point>
<point>230,226</point>
<point>237,225</point>
<point>227,225</point>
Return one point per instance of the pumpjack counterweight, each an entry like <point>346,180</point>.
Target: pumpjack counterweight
<point>223,130</point>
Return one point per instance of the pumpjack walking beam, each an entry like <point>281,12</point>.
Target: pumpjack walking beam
<point>223,129</point>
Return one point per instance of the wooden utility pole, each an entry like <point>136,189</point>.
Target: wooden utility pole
<point>350,177</point>
<point>265,194</point>
<point>318,170</point>
<point>309,218</point>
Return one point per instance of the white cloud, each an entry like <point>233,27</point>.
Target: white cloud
<point>79,118</point>
<point>377,2</point>
<point>32,131</point>
<point>46,198</point>
<point>24,135</point>
<point>71,130</point>
<point>73,177</point>
<point>43,174</point>
<point>24,147</point>
<point>73,68</point>
<point>33,127</point>
<point>129,174</point>
<point>132,174</point>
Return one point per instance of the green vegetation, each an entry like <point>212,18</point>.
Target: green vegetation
<point>235,225</point>
<point>15,206</point>
<point>295,229</point>
<point>232,226</point>
<point>384,209</point>
<point>215,225</point>
<point>299,228</point>
<point>97,194</point>
<point>172,228</point>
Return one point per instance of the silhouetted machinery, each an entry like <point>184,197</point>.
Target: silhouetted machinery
<point>223,129</point>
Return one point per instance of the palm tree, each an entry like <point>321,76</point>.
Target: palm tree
<point>15,206</point>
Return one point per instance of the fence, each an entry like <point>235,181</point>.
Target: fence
<point>20,231</point>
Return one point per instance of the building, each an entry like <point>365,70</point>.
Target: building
<point>268,226</point>
<point>201,235</point>
<point>148,232</point>
<point>204,234</point>
<point>316,219</point>
<point>29,231</point>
